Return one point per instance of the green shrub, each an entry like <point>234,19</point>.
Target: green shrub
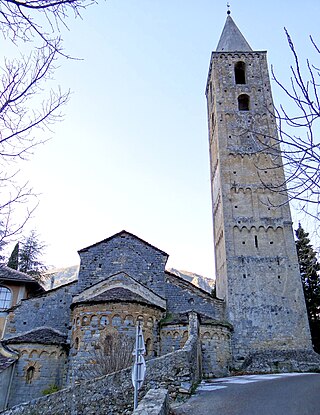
<point>50,389</point>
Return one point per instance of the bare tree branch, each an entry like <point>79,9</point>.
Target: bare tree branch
<point>298,130</point>
<point>110,354</point>
<point>20,84</point>
<point>38,19</point>
<point>25,114</point>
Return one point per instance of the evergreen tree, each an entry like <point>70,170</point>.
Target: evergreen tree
<point>14,258</point>
<point>29,256</point>
<point>310,275</point>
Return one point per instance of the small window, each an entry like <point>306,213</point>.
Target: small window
<point>243,102</point>
<point>148,347</point>
<point>5,298</point>
<point>240,72</point>
<point>30,374</point>
<point>76,343</point>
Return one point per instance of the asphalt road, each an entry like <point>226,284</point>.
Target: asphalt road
<point>285,394</point>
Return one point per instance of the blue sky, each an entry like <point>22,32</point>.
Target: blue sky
<point>132,151</point>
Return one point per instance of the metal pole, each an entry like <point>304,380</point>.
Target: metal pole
<point>73,392</point>
<point>135,402</point>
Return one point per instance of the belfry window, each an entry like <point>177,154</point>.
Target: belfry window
<point>5,298</point>
<point>243,102</point>
<point>240,72</point>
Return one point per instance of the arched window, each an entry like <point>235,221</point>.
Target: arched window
<point>148,347</point>
<point>30,374</point>
<point>243,102</point>
<point>240,72</point>
<point>5,297</point>
<point>85,321</point>
<point>76,343</point>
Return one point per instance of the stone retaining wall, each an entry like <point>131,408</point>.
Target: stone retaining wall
<point>113,394</point>
<point>282,361</point>
<point>156,402</point>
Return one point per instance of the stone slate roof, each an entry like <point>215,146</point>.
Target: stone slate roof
<point>118,294</point>
<point>9,274</point>
<point>5,362</point>
<point>206,284</point>
<point>183,318</point>
<point>42,335</point>
<point>180,318</point>
<point>232,40</point>
<point>183,282</point>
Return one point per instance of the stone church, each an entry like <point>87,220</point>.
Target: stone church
<point>256,321</point>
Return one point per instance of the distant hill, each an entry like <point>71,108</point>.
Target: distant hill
<point>60,276</point>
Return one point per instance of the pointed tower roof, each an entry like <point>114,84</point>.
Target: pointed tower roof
<point>232,40</point>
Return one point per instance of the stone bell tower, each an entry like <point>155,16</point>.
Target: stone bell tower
<point>256,262</point>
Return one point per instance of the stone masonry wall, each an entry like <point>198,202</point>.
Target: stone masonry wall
<point>113,394</point>
<point>216,350</point>
<point>215,346</point>
<point>183,297</point>
<point>173,337</point>
<point>256,262</point>
<point>38,368</point>
<point>123,252</point>
<point>92,323</point>
<point>282,361</point>
<point>51,309</point>
<point>155,402</point>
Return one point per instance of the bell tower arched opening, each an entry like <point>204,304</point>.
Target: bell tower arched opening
<point>240,72</point>
<point>243,102</point>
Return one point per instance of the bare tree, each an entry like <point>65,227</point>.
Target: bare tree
<point>20,117</point>
<point>24,111</point>
<point>299,134</point>
<point>30,19</point>
<point>21,82</point>
<point>110,355</point>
